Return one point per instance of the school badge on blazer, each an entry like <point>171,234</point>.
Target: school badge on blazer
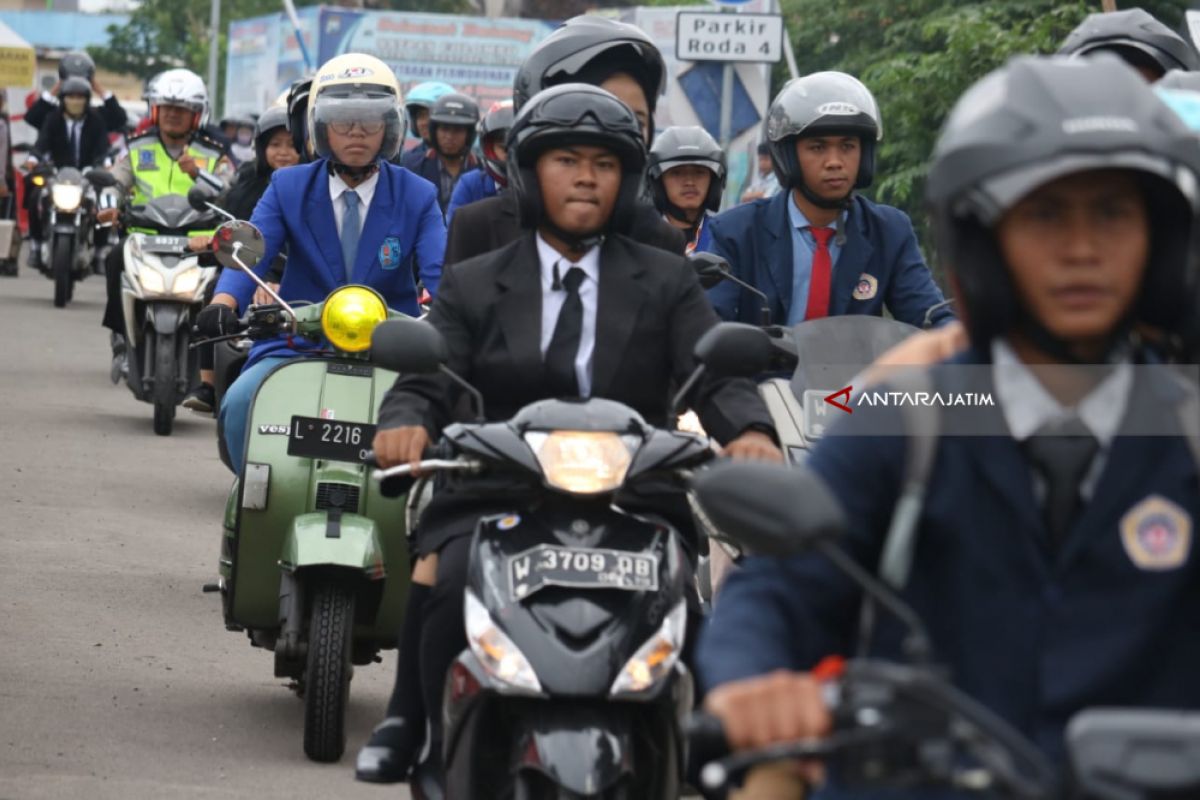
<point>866,287</point>
<point>389,253</point>
<point>1157,534</point>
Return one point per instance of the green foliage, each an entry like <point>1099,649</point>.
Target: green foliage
<point>917,57</point>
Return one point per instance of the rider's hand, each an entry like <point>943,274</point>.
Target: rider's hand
<point>216,319</point>
<point>780,707</point>
<point>29,165</point>
<point>189,165</point>
<point>753,446</point>
<point>919,350</point>
<point>198,244</point>
<point>3,189</point>
<point>96,90</point>
<point>261,298</point>
<point>106,216</point>
<point>395,446</point>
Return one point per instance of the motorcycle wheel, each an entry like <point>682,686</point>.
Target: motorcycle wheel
<point>60,269</point>
<point>164,384</point>
<point>327,673</point>
<point>533,786</point>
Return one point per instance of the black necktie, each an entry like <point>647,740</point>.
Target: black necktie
<point>564,345</point>
<point>1061,452</point>
<point>75,142</point>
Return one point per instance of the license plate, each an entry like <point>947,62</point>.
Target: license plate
<point>329,439</point>
<point>164,244</point>
<point>582,568</point>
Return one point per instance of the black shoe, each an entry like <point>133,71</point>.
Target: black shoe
<point>8,268</point>
<point>388,755</point>
<point>118,357</point>
<point>35,254</point>
<point>201,399</point>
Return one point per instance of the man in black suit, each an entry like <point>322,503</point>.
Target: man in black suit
<point>73,135</point>
<point>574,307</point>
<point>623,60</point>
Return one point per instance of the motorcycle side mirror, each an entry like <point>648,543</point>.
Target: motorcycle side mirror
<point>237,241</point>
<point>101,179</point>
<point>199,196</point>
<point>734,349</point>
<point>1149,752</point>
<point>408,345</point>
<point>710,268</point>
<point>771,509</point>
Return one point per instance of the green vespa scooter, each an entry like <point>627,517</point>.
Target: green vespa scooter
<point>314,562</point>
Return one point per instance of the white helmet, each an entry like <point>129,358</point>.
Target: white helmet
<point>178,87</point>
<point>355,87</point>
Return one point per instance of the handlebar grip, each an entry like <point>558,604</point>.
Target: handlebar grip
<point>706,743</point>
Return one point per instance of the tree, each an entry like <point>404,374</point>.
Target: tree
<point>918,56</point>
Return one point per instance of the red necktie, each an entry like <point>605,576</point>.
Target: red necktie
<point>821,276</point>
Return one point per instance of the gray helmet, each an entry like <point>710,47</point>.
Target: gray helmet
<point>75,85</point>
<point>454,109</point>
<point>677,146</point>
<point>577,114</point>
<point>824,103</point>
<point>1038,119</point>
<point>1135,36</point>
<point>273,119</point>
<point>76,63</point>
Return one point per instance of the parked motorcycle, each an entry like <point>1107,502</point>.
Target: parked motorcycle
<point>903,725</point>
<point>313,562</point>
<point>163,287</point>
<point>68,208</point>
<point>571,685</point>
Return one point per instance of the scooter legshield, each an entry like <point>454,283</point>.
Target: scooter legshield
<point>323,538</point>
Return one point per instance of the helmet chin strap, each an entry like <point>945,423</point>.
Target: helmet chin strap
<point>1040,336</point>
<point>829,205</point>
<point>574,242</point>
<point>357,173</point>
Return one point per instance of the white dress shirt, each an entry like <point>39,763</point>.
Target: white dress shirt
<point>553,299</point>
<point>365,191</point>
<point>1028,406</point>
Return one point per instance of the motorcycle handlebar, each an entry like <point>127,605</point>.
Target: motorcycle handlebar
<point>426,466</point>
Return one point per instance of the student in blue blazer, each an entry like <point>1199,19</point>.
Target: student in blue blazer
<point>1055,564</point>
<point>348,217</point>
<point>817,249</point>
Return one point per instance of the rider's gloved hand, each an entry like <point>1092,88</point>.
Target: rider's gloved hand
<point>216,320</point>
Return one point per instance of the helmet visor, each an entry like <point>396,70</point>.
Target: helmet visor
<point>369,114</point>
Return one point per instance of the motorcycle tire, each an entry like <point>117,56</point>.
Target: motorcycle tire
<point>60,270</point>
<point>165,368</point>
<point>534,786</point>
<point>327,673</point>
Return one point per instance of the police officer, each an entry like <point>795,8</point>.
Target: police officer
<point>686,171</point>
<point>1135,36</point>
<point>487,182</point>
<point>818,249</point>
<point>417,103</point>
<point>576,162</point>
<point>452,129</point>
<point>617,57</point>
<point>73,135</point>
<point>351,216</point>
<point>1054,565</point>
<point>165,160</point>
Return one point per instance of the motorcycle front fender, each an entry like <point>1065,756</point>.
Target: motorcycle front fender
<point>167,317</point>
<point>583,749</point>
<point>325,539</point>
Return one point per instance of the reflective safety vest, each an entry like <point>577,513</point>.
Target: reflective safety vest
<point>156,174</point>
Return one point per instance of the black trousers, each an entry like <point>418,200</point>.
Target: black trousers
<point>114,265</point>
<point>32,202</point>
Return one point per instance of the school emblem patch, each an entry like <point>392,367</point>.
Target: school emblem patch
<point>146,160</point>
<point>389,253</point>
<point>1157,534</point>
<point>866,287</point>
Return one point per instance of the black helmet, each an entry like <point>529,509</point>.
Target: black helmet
<point>454,109</point>
<point>572,54</point>
<point>824,103</point>
<point>75,85</point>
<point>273,119</point>
<point>77,63</point>
<point>677,146</point>
<point>1135,36</point>
<point>574,113</point>
<point>297,116</point>
<point>498,120</point>
<point>1038,119</point>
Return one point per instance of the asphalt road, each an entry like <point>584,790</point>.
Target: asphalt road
<point>117,677</point>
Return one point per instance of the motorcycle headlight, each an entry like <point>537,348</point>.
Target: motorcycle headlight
<point>350,315</point>
<point>582,462</point>
<point>152,281</point>
<point>495,651</point>
<point>66,196</point>
<point>655,659</point>
<point>186,282</point>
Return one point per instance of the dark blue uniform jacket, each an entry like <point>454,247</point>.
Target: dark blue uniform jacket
<point>403,229</point>
<point>474,185</point>
<point>1033,637</point>
<point>880,264</point>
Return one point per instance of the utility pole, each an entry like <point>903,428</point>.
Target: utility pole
<point>214,42</point>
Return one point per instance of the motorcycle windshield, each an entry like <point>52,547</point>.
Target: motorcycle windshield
<point>170,213</point>
<point>70,176</point>
<point>832,350</point>
<point>593,414</point>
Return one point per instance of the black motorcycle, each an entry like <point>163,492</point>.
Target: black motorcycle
<point>904,725</point>
<point>67,205</point>
<point>575,609</point>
